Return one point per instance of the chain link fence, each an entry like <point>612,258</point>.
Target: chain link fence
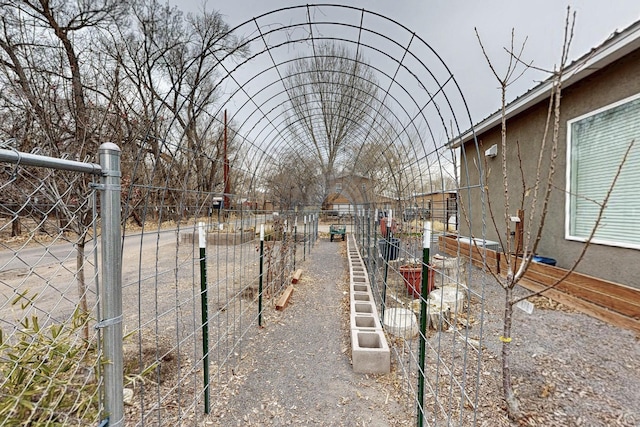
<point>69,270</point>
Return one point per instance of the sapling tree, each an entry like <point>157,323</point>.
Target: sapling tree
<point>534,195</point>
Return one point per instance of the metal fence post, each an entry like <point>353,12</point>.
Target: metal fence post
<point>204,313</point>
<point>111,290</point>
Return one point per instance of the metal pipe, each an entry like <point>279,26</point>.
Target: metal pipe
<point>28,159</point>
<point>111,291</point>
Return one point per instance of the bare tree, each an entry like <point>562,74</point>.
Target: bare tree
<point>534,196</point>
<point>287,192</point>
<point>169,70</point>
<point>45,47</point>
<point>332,99</point>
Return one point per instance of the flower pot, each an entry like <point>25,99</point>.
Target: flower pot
<point>386,228</point>
<point>392,245</point>
<point>412,277</point>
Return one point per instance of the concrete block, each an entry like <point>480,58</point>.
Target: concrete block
<point>360,287</point>
<point>361,297</point>
<point>370,352</point>
<point>358,307</point>
<point>359,279</point>
<point>365,322</point>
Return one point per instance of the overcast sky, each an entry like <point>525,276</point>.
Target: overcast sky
<point>448,26</point>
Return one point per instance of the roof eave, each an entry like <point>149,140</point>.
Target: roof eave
<point>611,50</point>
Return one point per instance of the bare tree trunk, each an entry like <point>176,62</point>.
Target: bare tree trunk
<point>513,408</point>
<point>16,227</point>
<point>82,288</point>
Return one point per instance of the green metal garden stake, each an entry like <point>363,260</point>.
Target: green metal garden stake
<point>204,308</point>
<point>295,241</point>
<point>424,294</point>
<point>387,255</point>
<point>261,275</point>
<point>304,239</point>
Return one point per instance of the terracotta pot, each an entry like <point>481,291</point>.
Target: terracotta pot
<point>412,277</point>
<point>385,228</point>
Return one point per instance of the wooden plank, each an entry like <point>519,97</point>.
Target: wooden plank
<point>608,301</point>
<point>284,298</point>
<point>596,296</point>
<point>586,307</point>
<point>296,276</point>
<point>598,285</point>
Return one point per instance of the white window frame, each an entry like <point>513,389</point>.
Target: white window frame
<point>568,192</point>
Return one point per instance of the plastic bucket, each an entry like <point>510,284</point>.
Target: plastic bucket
<point>394,248</point>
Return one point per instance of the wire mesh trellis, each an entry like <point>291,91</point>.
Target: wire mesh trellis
<point>395,107</point>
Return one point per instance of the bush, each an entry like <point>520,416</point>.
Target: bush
<point>47,374</point>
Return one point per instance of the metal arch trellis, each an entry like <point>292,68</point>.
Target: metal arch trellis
<point>417,100</point>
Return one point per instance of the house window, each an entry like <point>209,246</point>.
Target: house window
<point>596,143</point>
<point>338,187</point>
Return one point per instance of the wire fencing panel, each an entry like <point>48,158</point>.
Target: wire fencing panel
<point>52,312</point>
<point>170,336</point>
<point>49,350</point>
<point>443,377</point>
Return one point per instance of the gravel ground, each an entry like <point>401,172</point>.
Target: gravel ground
<point>297,369</point>
<point>568,369</point>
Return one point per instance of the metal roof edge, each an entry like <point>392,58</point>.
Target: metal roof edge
<point>612,49</point>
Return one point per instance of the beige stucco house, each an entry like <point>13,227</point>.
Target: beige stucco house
<point>600,117</point>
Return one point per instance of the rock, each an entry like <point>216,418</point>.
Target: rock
<point>127,396</point>
<point>401,322</point>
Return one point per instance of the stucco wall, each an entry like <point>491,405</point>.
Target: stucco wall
<point>618,81</point>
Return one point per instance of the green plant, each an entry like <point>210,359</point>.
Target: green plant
<point>46,372</point>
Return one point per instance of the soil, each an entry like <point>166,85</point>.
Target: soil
<point>297,368</point>
<point>568,369</point>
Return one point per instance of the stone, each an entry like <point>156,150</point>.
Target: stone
<point>401,322</point>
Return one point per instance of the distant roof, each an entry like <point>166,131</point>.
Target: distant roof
<point>619,44</point>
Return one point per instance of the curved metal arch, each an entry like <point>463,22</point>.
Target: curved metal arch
<point>417,121</point>
<point>411,120</point>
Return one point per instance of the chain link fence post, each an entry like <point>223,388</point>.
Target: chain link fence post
<point>111,289</point>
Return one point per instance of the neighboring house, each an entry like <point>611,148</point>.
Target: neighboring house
<point>600,116</point>
<point>349,193</point>
<point>440,205</point>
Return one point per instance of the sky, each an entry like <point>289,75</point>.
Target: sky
<point>448,27</point>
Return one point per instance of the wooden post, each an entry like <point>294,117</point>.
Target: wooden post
<point>519,232</point>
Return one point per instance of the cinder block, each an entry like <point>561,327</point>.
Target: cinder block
<point>361,297</point>
<point>363,308</point>
<point>360,287</point>
<point>365,322</point>
<point>359,279</point>
<point>370,352</point>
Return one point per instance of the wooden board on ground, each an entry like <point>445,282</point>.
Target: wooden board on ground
<point>296,276</point>
<point>611,302</point>
<point>282,302</point>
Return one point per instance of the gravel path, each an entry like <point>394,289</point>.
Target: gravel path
<point>568,369</point>
<point>297,370</point>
